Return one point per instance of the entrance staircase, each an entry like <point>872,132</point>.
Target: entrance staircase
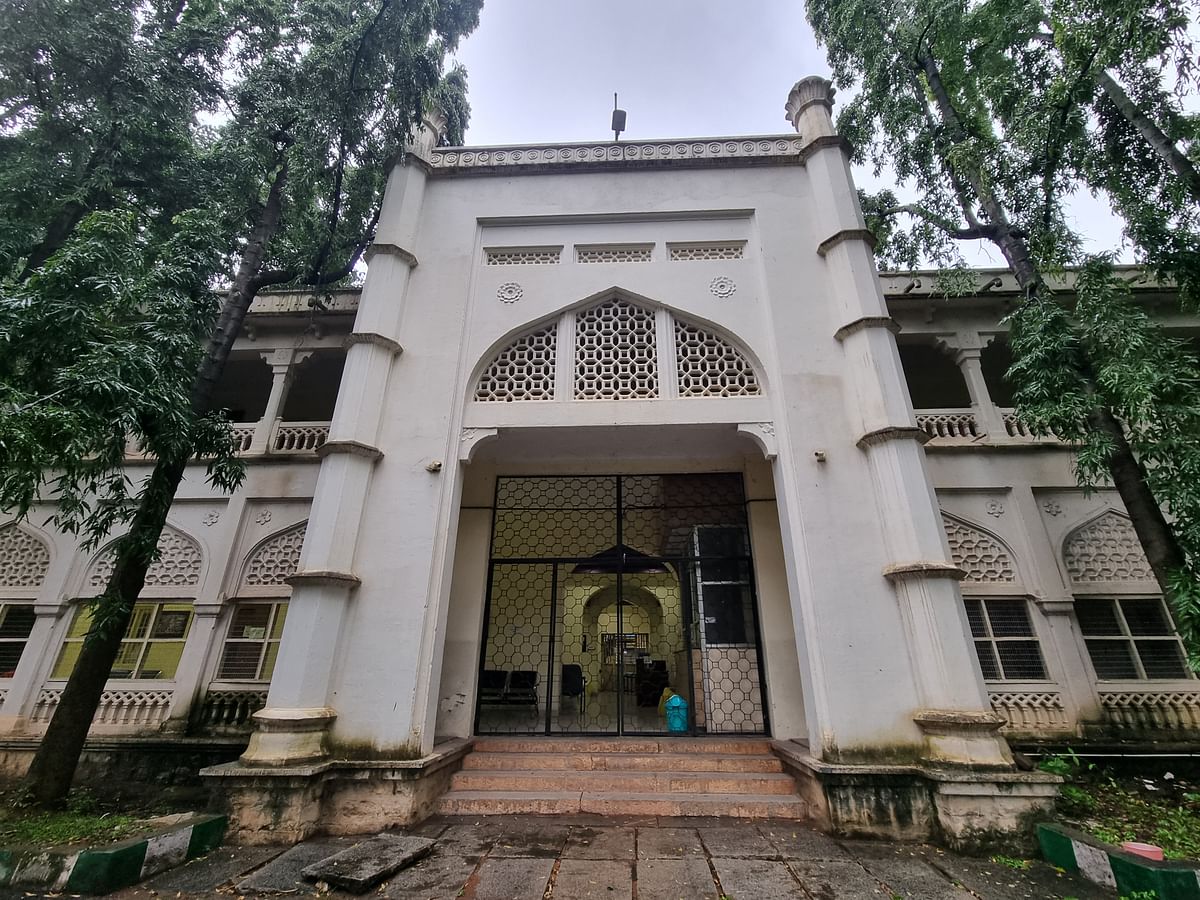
<point>623,776</point>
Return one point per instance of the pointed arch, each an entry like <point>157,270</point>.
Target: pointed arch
<point>617,346</point>
<point>178,564</point>
<point>1105,548</point>
<point>982,555</point>
<point>274,559</point>
<point>24,558</point>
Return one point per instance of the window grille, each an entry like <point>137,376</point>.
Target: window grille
<point>23,558</point>
<point>524,370</point>
<point>151,649</point>
<point>252,645</point>
<point>615,353</point>
<point>522,256</point>
<point>717,250</point>
<point>1005,641</point>
<point>614,253</point>
<point>709,366</point>
<point>1130,638</point>
<point>16,622</point>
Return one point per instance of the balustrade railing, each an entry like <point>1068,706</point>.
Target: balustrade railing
<point>298,437</point>
<point>949,424</point>
<point>243,436</point>
<point>229,710</point>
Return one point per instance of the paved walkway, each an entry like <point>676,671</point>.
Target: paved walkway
<point>531,858</point>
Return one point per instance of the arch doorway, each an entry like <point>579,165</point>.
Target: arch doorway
<point>607,591</point>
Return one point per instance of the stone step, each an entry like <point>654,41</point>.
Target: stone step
<point>501,803</point>
<point>361,867</point>
<point>612,762</point>
<point>753,746</point>
<point>665,782</point>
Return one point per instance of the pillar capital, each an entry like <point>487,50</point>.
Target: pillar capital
<point>809,107</point>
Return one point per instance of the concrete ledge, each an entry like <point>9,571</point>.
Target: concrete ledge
<point>860,324</point>
<point>963,808</point>
<point>268,804</point>
<point>353,448</point>
<point>890,433</point>
<point>1112,867</point>
<point>105,869</point>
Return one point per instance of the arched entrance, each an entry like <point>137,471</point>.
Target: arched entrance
<point>606,590</point>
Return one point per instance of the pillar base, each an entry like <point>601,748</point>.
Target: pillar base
<point>959,737</point>
<point>285,804</point>
<point>963,808</point>
<point>288,737</point>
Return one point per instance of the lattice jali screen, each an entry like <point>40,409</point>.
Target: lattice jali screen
<point>1106,549</point>
<point>982,557</point>
<point>23,558</point>
<point>1153,710</point>
<point>710,366</point>
<point>524,370</point>
<point>276,559</point>
<point>615,352</point>
<point>613,254</point>
<point>133,707</point>
<point>178,563</point>
<point>522,256</point>
<point>692,252</point>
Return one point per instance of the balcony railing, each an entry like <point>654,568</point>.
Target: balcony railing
<point>282,439</point>
<point>949,424</point>
<point>228,709</point>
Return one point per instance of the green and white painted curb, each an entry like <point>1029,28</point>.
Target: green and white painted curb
<point>1127,873</point>
<point>104,869</point>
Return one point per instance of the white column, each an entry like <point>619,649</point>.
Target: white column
<point>282,363</point>
<point>954,717</point>
<point>293,727</point>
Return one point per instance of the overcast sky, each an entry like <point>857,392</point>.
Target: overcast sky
<point>545,70</point>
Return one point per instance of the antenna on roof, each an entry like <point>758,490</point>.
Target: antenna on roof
<point>618,122</point>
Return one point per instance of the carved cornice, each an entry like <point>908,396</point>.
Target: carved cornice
<point>867,322</point>
<point>695,153</point>
<point>892,433</point>
<point>354,448</point>
<point>923,569</point>
<point>847,234</point>
<point>958,721</point>
<point>373,337</point>
<point>390,250</point>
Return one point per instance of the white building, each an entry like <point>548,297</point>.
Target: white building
<point>605,419</point>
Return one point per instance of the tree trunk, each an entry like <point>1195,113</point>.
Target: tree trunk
<point>1154,533</point>
<point>53,767</point>
<point>1162,145</point>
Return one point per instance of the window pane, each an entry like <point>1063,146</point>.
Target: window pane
<point>1098,617</point>
<point>81,623</point>
<point>161,660</point>
<point>139,624</point>
<point>240,661</point>
<point>721,541</point>
<point>280,615</point>
<point>1022,660</point>
<point>250,620</point>
<point>127,658</point>
<point>1112,659</point>
<point>722,607</point>
<point>1009,618</point>
<point>1146,617</point>
<point>975,618</point>
<point>269,661</point>
<point>1162,659</point>
<point>172,622</point>
<point>66,660</point>
<point>16,621</point>
<point>10,655</point>
<point>987,660</point>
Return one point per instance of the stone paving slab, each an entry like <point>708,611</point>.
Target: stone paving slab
<point>219,867</point>
<point>538,838</point>
<point>744,841</point>
<point>667,843</point>
<point>997,881</point>
<point>439,876</point>
<point>914,878</point>
<point>283,873</point>
<point>600,843</point>
<point>510,879</point>
<point>359,868</point>
<point>834,879</point>
<point>758,879</point>
<point>688,878</point>
<point>593,879</point>
<point>794,841</point>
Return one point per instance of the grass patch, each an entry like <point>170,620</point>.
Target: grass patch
<point>1158,808</point>
<point>83,821</point>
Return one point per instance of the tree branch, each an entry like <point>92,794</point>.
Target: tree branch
<point>974,232</point>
